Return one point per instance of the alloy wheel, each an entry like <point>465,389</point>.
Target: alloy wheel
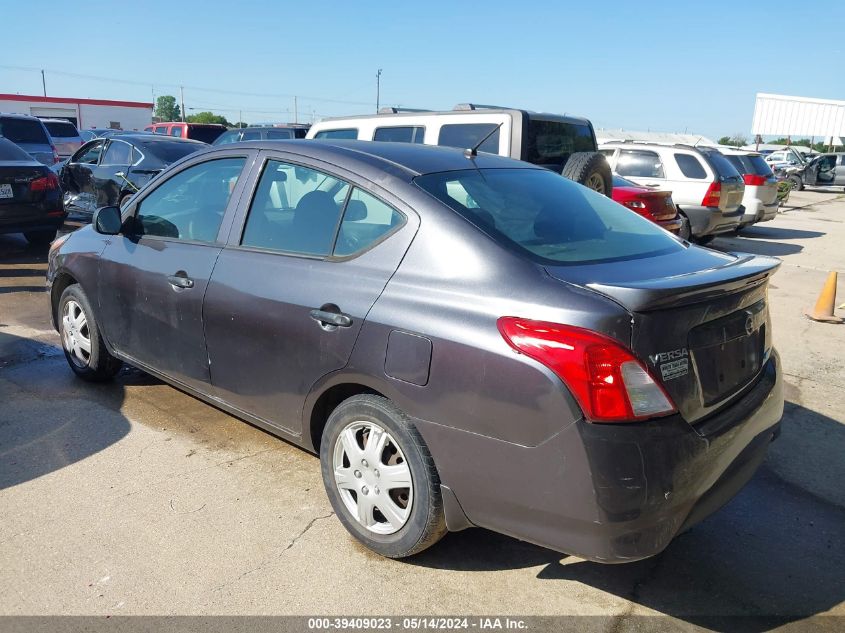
<point>373,477</point>
<point>76,337</point>
<point>595,182</point>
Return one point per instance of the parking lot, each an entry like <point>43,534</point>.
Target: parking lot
<point>134,498</point>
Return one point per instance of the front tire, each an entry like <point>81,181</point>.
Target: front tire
<point>82,343</point>
<point>591,170</point>
<point>796,182</point>
<point>380,477</point>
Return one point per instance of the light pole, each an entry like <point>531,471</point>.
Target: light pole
<point>44,82</point>
<point>378,88</point>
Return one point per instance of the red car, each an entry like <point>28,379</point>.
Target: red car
<point>657,206</point>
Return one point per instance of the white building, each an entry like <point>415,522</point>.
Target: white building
<point>84,113</point>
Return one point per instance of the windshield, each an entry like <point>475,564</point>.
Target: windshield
<point>170,151</point>
<point>205,134</point>
<point>61,129</point>
<point>23,131</point>
<point>547,217</point>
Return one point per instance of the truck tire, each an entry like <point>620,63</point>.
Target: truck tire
<point>591,170</point>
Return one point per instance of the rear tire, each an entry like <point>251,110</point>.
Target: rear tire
<point>40,238</point>
<point>796,182</point>
<point>364,480</point>
<point>685,232</point>
<point>704,239</point>
<point>82,342</point>
<point>591,170</point>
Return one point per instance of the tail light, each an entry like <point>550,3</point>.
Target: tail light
<point>713,195</point>
<point>635,204</point>
<point>608,382</point>
<point>55,154</point>
<point>754,179</point>
<point>45,183</point>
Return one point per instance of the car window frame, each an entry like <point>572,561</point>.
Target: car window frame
<point>74,159</point>
<point>238,226</point>
<point>403,126</point>
<point>641,150</point>
<point>189,161</point>
<point>106,149</point>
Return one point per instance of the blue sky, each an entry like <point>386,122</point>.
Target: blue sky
<point>665,66</point>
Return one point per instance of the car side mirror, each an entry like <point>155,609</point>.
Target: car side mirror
<point>107,221</point>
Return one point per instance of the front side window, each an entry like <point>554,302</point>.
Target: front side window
<point>160,130</point>
<point>690,167</point>
<point>295,209</point>
<point>91,154</point>
<point>232,136</point>
<point>546,217</point>
<point>349,134</point>
<point>366,220</point>
<point>117,153</point>
<point>251,135</point>
<point>279,134</point>
<point>639,164</point>
<point>404,134</point>
<point>467,135</point>
<point>175,131</point>
<point>191,204</point>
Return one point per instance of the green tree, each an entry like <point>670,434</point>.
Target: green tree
<point>737,140</point>
<point>207,117</point>
<point>166,109</point>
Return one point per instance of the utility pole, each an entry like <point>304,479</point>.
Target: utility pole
<point>295,111</point>
<point>182,99</point>
<point>43,82</point>
<point>378,88</point>
<point>240,119</point>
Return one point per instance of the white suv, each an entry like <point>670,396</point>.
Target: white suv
<point>760,200</point>
<point>564,144</point>
<point>706,188</point>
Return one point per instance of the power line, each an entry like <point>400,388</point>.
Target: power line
<point>175,85</point>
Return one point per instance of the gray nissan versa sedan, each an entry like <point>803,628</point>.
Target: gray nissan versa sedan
<point>466,340</point>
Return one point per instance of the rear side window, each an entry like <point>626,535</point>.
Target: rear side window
<point>547,218</point>
<point>117,153</point>
<point>23,131</point>
<point>639,164</point>
<point>168,151</point>
<point>191,204</point>
<point>406,134</point>
<point>552,142</point>
<point>61,129</point>
<point>295,209</point>
<point>366,220</point>
<point>175,131</point>
<point>251,135</point>
<point>204,133</point>
<point>350,134</point>
<point>690,167</point>
<point>160,130</point>
<point>467,135</point>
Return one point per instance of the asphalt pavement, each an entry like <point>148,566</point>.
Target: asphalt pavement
<point>134,498</point>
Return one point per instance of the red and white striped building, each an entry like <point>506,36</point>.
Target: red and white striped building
<point>84,113</point>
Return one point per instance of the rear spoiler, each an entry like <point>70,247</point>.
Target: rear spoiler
<point>746,272</point>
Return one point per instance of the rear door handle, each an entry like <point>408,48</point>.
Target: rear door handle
<point>331,318</point>
<point>180,281</point>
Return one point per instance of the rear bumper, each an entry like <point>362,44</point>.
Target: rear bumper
<point>17,219</point>
<point>611,493</point>
<point>711,220</point>
<point>673,226</point>
<point>758,211</point>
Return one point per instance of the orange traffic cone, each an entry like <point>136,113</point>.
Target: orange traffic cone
<point>824,306</point>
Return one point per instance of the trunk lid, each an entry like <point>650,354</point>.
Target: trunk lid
<point>17,176</point>
<point>700,319</point>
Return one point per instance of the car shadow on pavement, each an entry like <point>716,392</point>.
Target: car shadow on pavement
<point>742,244</point>
<point>41,435</point>
<point>773,555</point>
<point>778,233</point>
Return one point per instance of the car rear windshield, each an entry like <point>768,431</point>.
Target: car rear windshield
<point>10,151</point>
<point>547,217</point>
<point>204,134</point>
<point>351,133</point>
<point>23,131</point>
<point>170,151</point>
<point>721,165</point>
<point>749,164</point>
<point>552,142</point>
<point>61,129</point>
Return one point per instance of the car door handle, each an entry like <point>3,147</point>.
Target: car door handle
<point>331,318</point>
<point>180,281</point>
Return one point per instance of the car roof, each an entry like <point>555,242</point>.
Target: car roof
<point>54,120</point>
<point>143,138</point>
<point>15,115</point>
<point>411,158</point>
<point>739,152</point>
<point>402,114</point>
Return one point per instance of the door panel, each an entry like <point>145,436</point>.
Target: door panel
<point>148,318</point>
<point>265,347</point>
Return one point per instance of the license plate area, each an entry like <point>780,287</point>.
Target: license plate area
<point>728,352</point>
<point>6,191</point>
